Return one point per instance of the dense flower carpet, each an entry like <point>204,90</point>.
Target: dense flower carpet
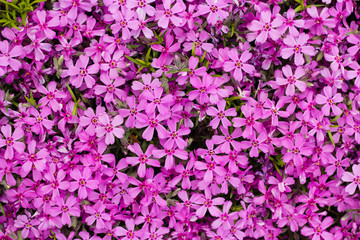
<point>174,119</point>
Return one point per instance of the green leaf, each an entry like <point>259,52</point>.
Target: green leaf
<point>193,50</point>
<point>331,137</point>
<point>203,57</point>
<point>37,1</point>
<point>74,112</point>
<point>147,57</point>
<point>71,92</point>
<point>19,235</point>
<point>31,100</point>
<point>335,118</point>
<point>319,56</point>
<point>138,62</point>
<point>299,8</point>
<point>2,209</point>
<point>10,4</point>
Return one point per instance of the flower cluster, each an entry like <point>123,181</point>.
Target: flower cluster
<point>199,119</point>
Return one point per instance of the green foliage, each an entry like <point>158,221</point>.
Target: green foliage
<point>11,12</point>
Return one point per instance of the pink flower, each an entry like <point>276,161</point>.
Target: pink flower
<point>297,47</point>
<point>225,219</point>
<point>90,120</point>
<point>318,229</point>
<point>238,64</point>
<point>8,56</point>
<point>215,9</point>
<point>220,114</point>
<point>45,25</point>
<point>110,89</point>
<point>153,123</point>
<point>109,129</point>
<point>52,96</point>
<point>124,20</point>
<point>142,159</point>
<point>97,213</point>
<point>65,209</point>
<point>291,80</point>
<point>83,182</point>
<point>143,7</point>
<point>329,100</point>
<point>34,161</point>
<point>11,142</point>
<point>291,23</point>
<point>206,203</point>
<point>157,101</point>
<point>266,26</point>
<point>353,179</point>
<point>168,14</point>
<point>81,71</point>
<point>318,22</point>
<point>199,40</point>
<point>175,136</point>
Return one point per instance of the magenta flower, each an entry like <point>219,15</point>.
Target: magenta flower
<point>143,7</point>
<point>112,64</point>
<point>124,21</point>
<point>170,47</point>
<point>295,151</point>
<point>318,22</point>
<point>110,89</point>
<point>134,112</point>
<point>249,121</point>
<point>215,9</point>
<point>65,209</point>
<point>266,27</point>
<point>52,96</point>
<point>225,140</point>
<point>130,233</point>
<point>37,47</point>
<point>28,226</point>
<point>236,65</point>
<point>206,203</point>
<point>110,129</point>
<point>90,120</point>
<point>170,153</point>
<point>142,159</point>
<point>291,80</point>
<point>336,59</point>
<point>220,114</point>
<point>83,182</point>
<point>168,14</point>
<point>317,231</point>
<point>153,123</point>
<point>297,47</point>
<point>291,23</point>
<point>8,57</point>
<point>175,136</point>
<point>97,214</point>
<point>329,100</point>
<point>353,179</point>
<point>45,25</point>
<point>11,142</point>
<point>34,161</point>
<point>81,71</point>
<point>224,218</point>
<point>157,101</point>
<point>203,89</point>
<point>148,84</point>
<point>199,40</point>
<point>55,183</point>
<point>193,73</point>
<point>256,144</point>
